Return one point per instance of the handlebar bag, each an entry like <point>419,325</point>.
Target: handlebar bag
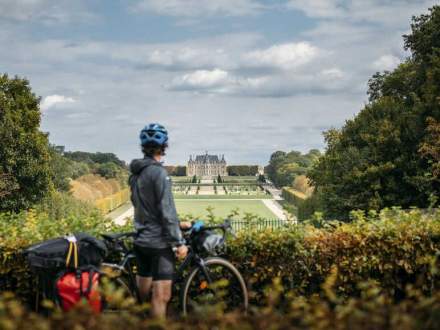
<point>209,242</point>
<point>81,285</point>
<point>52,254</point>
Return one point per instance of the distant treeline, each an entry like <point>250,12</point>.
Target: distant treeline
<point>89,157</point>
<point>242,170</point>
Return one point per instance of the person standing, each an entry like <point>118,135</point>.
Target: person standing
<point>156,219</point>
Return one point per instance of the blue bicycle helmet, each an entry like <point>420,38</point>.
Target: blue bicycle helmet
<point>154,134</point>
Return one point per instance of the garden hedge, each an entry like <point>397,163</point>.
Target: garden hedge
<point>393,249</point>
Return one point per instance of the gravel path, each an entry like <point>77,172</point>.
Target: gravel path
<point>122,219</point>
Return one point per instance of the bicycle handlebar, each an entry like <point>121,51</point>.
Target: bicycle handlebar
<point>226,225</point>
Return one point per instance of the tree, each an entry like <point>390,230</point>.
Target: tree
<point>61,169</point>
<point>284,167</point>
<point>384,156</point>
<point>430,148</point>
<point>25,174</point>
<point>108,170</point>
<point>98,157</point>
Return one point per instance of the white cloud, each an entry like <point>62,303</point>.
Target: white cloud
<point>332,73</point>
<point>272,85</point>
<point>216,81</point>
<point>283,56</point>
<point>52,100</point>
<point>199,8</point>
<point>202,79</point>
<point>386,62</point>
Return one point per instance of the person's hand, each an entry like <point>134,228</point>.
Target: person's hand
<point>185,225</point>
<point>181,251</point>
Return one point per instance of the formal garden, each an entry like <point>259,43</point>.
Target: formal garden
<point>225,195</point>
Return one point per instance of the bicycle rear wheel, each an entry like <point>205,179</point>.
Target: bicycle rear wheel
<point>219,284</point>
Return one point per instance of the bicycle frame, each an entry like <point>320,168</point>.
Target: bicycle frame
<point>191,260</point>
<point>125,267</point>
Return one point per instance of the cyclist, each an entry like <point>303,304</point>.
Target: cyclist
<point>155,213</point>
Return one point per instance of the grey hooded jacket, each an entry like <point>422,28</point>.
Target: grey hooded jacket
<point>156,213</point>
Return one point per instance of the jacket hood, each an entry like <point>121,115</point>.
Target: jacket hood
<point>137,165</point>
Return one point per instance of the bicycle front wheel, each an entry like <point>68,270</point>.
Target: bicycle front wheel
<point>217,283</point>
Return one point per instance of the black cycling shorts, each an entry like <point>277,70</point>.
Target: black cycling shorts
<point>156,263</point>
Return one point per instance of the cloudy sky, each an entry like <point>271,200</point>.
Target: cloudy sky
<point>236,77</point>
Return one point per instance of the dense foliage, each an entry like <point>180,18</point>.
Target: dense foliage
<point>242,170</point>
<point>338,276</point>
<point>91,158</point>
<point>372,309</point>
<point>284,167</point>
<point>388,154</point>
<point>301,205</point>
<point>19,230</point>
<point>72,165</point>
<point>24,154</point>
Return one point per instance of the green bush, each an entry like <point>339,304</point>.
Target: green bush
<point>372,309</point>
<point>17,231</point>
<point>59,205</point>
<point>393,249</point>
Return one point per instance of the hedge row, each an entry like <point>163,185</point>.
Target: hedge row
<point>394,249</point>
<point>17,231</point>
<point>109,203</point>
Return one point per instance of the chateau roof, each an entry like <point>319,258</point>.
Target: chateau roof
<point>206,158</point>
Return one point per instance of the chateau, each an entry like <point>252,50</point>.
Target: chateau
<point>206,165</point>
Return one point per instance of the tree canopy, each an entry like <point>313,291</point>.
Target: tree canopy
<point>284,167</point>
<point>386,156</point>
<point>24,149</point>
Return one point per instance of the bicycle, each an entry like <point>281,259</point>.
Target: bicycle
<point>204,277</point>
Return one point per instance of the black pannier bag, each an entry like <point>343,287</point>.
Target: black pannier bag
<point>60,253</point>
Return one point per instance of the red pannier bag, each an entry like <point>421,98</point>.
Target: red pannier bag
<point>72,287</point>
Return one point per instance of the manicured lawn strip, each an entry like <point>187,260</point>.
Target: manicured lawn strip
<point>197,208</point>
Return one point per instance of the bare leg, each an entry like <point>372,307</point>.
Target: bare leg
<point>161,297</point>
<point>144,287</point>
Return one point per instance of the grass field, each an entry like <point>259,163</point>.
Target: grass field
<point>222,208</point>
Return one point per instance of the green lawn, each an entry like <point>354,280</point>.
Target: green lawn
<point>222,208</point>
